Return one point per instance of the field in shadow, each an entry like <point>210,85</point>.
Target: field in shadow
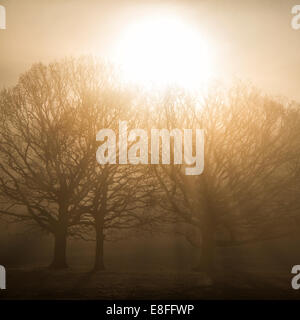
<point>43,283</point>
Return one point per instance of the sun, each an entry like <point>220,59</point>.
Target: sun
<point>164,50</point>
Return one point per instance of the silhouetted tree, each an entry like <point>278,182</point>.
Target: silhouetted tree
<point>120,199</point>
<point>48,173</point>
<point>47,155</point>
<point>247,153</point>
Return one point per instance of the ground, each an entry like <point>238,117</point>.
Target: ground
<point>43,283</point>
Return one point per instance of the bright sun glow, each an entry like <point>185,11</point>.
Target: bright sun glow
<point>163,51</point>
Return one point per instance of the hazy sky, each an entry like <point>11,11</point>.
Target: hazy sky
<point>252,40</point>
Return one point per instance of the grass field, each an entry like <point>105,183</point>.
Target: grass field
<point>42,283</point>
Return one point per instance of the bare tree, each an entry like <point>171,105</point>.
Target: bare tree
<point>49,174</point>
<point>47,154</point>
<point>247,152</point>
<point>120,201</point>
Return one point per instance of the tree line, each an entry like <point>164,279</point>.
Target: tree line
<point>49,176</point>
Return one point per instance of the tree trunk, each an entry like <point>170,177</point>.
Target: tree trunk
<point>99,254</point>
<point>60,238</point>
<point>99,228</point>
<point>60,246</point>
<point>207,252</point>
<point>208,243</point>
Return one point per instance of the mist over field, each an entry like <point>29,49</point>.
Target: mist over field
<point>149,150</point>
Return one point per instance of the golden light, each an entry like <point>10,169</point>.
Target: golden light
<point>164,50</point>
